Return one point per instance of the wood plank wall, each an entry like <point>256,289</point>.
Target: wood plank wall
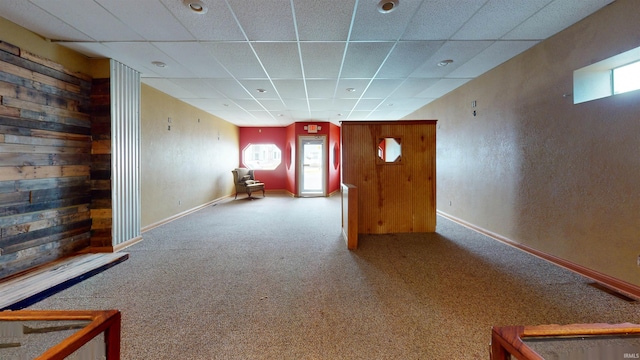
<point>45,160</point>
<point>101,213</point>
<point>392,197</point>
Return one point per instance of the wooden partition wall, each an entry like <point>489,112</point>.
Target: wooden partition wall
<point>398,196</point>
<point>45,160</point>
<point>57,148</point>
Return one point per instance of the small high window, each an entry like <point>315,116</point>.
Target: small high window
<point>626,78</point>
<point>261,156</point>
<point>615,75</point>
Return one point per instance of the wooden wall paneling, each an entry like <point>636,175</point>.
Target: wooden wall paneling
<point>45,161</point>
<point>393,197</point>
<point>101,182</point>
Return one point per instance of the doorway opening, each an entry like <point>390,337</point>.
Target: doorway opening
<point>313,166</point>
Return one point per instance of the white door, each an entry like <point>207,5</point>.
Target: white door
<point>313,166</point>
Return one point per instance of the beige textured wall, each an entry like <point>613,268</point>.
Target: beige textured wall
<point>539,170</point>
<point>187,166</point>
<point>36,44</point>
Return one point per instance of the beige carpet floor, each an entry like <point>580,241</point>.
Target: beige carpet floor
<point>271,278</point>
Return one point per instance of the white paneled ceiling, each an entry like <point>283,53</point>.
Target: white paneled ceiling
<point>313,60</point>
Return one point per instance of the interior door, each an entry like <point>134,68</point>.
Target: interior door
<point>313,166</point>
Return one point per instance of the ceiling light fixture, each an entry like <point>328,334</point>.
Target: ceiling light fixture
<point>159,64</point>
<point>387,6</point>
<point>351,89</point>
<point>196,6</point>
<point>261,91</point>
<point>445,62</point>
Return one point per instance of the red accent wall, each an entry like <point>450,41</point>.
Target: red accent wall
<point>292,156</point>
<point>284,177</point>
<point>273,179</point>
<point>334,155</point>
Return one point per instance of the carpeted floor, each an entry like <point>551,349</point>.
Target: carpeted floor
<point>271,278</point>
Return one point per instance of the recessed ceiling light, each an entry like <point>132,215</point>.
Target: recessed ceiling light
<point>159,64</point>
<point>387,6</point>
<point>445,62</point>
<point>262,91</point>
<point>351,89</point>
<point>196,6</point>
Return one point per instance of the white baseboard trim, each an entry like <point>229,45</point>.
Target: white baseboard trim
<point>184,213</point>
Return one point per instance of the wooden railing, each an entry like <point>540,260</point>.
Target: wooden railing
<point>350,215</point>
<point>26,331</point>
<point>610,341</point>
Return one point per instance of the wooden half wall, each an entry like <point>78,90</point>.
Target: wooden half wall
<point>393,197</point>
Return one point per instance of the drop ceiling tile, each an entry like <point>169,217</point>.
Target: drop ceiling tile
<point>280,59</point>
<point>554,18</point>
<point>249,104</point>
<point>240,118</point>
<point>273,105</point>
<point>91,19</point>
<point>440,19</point>
<point>273,22</point>
<point>458,51</point>
<point>300,115</point>
<point>364,59</point>
<point>343,106</point>
<point>198,87</point>
<point>194,57</point>
<point>368,104</point>
<point>358,86</point>
<point>238,58</point>
<point>387,115</point>
<point>224,105</point>
<point>380,89</point>
<point>168,87</point>
<point>216,24</point>
<point>320,104</point>
<point>491,57</point>
<point>404,104</point>
<point>321,115</point>
<point>230,88</point>
<point>411,87</point>
<point>254,87</point>
<point>290,88</point>
<point>370,24</point>
<point>406,56</point>
<point>323,20</point>
<point>297,105</point>
<point>140,55</point>
<point>207,104</point>
<point>322,60</point>
<point>225,56</point>
<point>321,88</point>
<point>39,21</point>
<point>441,88</point>
<point>503,15</point>
<point>358,115</point>
<point>150,22</point>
